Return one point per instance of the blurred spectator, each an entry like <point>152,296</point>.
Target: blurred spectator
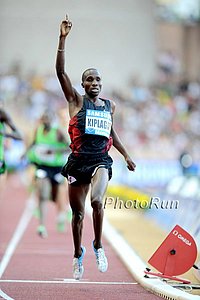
<point>8,129</point>
<point>168,65</point>
<point>155,122</point>
<point>185,160</point>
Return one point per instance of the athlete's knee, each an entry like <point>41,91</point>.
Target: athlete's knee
<point>43,188</point>
<point>78,216</point>
<point>43,195</point>
<point>96,203</point>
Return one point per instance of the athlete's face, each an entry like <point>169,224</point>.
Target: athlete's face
<point>92,83</point>
<point>46,120</point>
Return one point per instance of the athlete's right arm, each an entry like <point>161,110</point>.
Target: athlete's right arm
<point>72,96</point>
<point>30,145</point>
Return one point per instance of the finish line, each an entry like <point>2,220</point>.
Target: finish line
<point>68,281</point>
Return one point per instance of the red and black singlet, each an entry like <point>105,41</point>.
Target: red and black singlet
<point>90,128</point>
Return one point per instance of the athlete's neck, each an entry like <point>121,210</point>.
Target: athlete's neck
<point>92,99</point>
<point>47,127</point>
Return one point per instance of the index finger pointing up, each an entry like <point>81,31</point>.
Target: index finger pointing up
<point>67,17</point>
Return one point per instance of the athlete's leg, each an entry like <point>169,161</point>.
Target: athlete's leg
<point>3,178</point>
<point>59,192</point>
<point>99,185</point>
<point>54,191</point>
<point>77,196</point>
<point>3,175</point>
<point>43,192</point>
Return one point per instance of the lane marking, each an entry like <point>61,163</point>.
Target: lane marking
<point>71,281</point>
<point>22,225</point>
<point>5,296</point>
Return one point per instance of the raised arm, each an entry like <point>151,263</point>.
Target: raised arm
<point>72,96</point>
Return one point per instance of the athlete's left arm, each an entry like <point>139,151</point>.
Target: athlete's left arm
<point>62,138</point>
<point>117,143</point>
<point>8,121</point>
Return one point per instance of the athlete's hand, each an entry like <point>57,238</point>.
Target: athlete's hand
<point>130,164</point>
<point>65,27</point>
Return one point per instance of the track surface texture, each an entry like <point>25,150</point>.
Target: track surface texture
<point>35,268</point>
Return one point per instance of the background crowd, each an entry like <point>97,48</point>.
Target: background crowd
<point>159,121</point>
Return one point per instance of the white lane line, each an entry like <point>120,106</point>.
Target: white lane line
<point>4,296</point>
<point>71,281</point>
<point>23,223</point>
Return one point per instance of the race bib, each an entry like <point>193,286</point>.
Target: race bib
<point>98,122</point>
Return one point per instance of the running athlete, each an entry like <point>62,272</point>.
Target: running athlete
<point>92,134</point>
<point>48,154</point>
<point>6,121</point>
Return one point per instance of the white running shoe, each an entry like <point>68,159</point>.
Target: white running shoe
<point>78,265</point>
<point>41,230</point>
<point>101,259</point>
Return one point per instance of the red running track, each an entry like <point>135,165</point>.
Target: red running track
<point>41,269</point>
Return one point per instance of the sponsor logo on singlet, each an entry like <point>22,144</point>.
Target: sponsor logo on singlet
<point>98,122</point>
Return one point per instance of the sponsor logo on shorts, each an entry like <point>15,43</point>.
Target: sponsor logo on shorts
<point>71,179</point>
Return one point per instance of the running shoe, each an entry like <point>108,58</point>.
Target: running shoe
<point>101,259</point>
<point>78,265</point>
<point>41,230</point>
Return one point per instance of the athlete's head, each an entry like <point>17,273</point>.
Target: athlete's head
<point>91,82</point>
<point>46,119</point>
